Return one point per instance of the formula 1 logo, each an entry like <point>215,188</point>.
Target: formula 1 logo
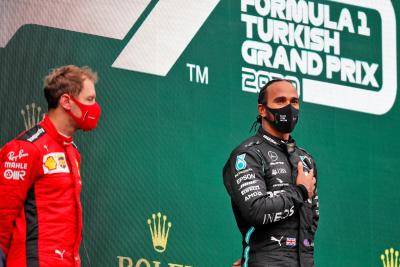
<point>306,41</point>
<point>310,50</point>
<point>154,48</point>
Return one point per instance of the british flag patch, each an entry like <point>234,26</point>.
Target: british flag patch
<point>290,241</point>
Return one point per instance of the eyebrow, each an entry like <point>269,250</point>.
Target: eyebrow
<point>284,98</point>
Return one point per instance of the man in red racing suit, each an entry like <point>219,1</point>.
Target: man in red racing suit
<point>40,183</point>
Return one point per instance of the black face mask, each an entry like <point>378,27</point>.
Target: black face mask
<point>285,118</point>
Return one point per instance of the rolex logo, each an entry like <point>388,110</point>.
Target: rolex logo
<point>159,230</point>
<point>390,260</point>
<point>32,115</point>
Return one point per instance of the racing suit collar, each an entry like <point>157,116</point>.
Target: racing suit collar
<point>286,146</point>
<point>52,131</point>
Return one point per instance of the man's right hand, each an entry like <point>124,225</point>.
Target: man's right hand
<point>308,180</point>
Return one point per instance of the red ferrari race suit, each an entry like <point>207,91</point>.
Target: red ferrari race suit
<point>40,208</point>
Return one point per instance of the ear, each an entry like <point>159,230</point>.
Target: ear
<point>65,101</point>
<point>262,111</point>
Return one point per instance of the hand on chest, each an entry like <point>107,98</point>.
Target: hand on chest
<point>281,168</point>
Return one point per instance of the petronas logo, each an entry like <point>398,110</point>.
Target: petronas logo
<point>32,115</point>
<point>159,230</point>
<point>390,258</point>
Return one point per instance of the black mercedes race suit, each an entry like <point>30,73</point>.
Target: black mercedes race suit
<point>277,221</point>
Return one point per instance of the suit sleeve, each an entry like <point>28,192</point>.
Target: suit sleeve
<point>315,202</point>
<point>19,163</point>
<point>2,259</point>
<point>243,178</point>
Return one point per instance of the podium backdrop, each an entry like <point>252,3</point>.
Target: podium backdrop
<point>178,83</point>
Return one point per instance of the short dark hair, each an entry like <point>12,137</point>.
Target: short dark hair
<point>66,79</point>
<point>263,94</point>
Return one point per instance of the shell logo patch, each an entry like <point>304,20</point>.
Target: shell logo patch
<point>50,163</point>
<point>55,163</point>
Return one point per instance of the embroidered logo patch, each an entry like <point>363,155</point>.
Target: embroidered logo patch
<point>55,163</point>
<point>240,162</point>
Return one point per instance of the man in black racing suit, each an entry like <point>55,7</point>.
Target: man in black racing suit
<point>271,183</point>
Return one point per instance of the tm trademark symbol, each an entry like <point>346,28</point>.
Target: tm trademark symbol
<point>197,73</point>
